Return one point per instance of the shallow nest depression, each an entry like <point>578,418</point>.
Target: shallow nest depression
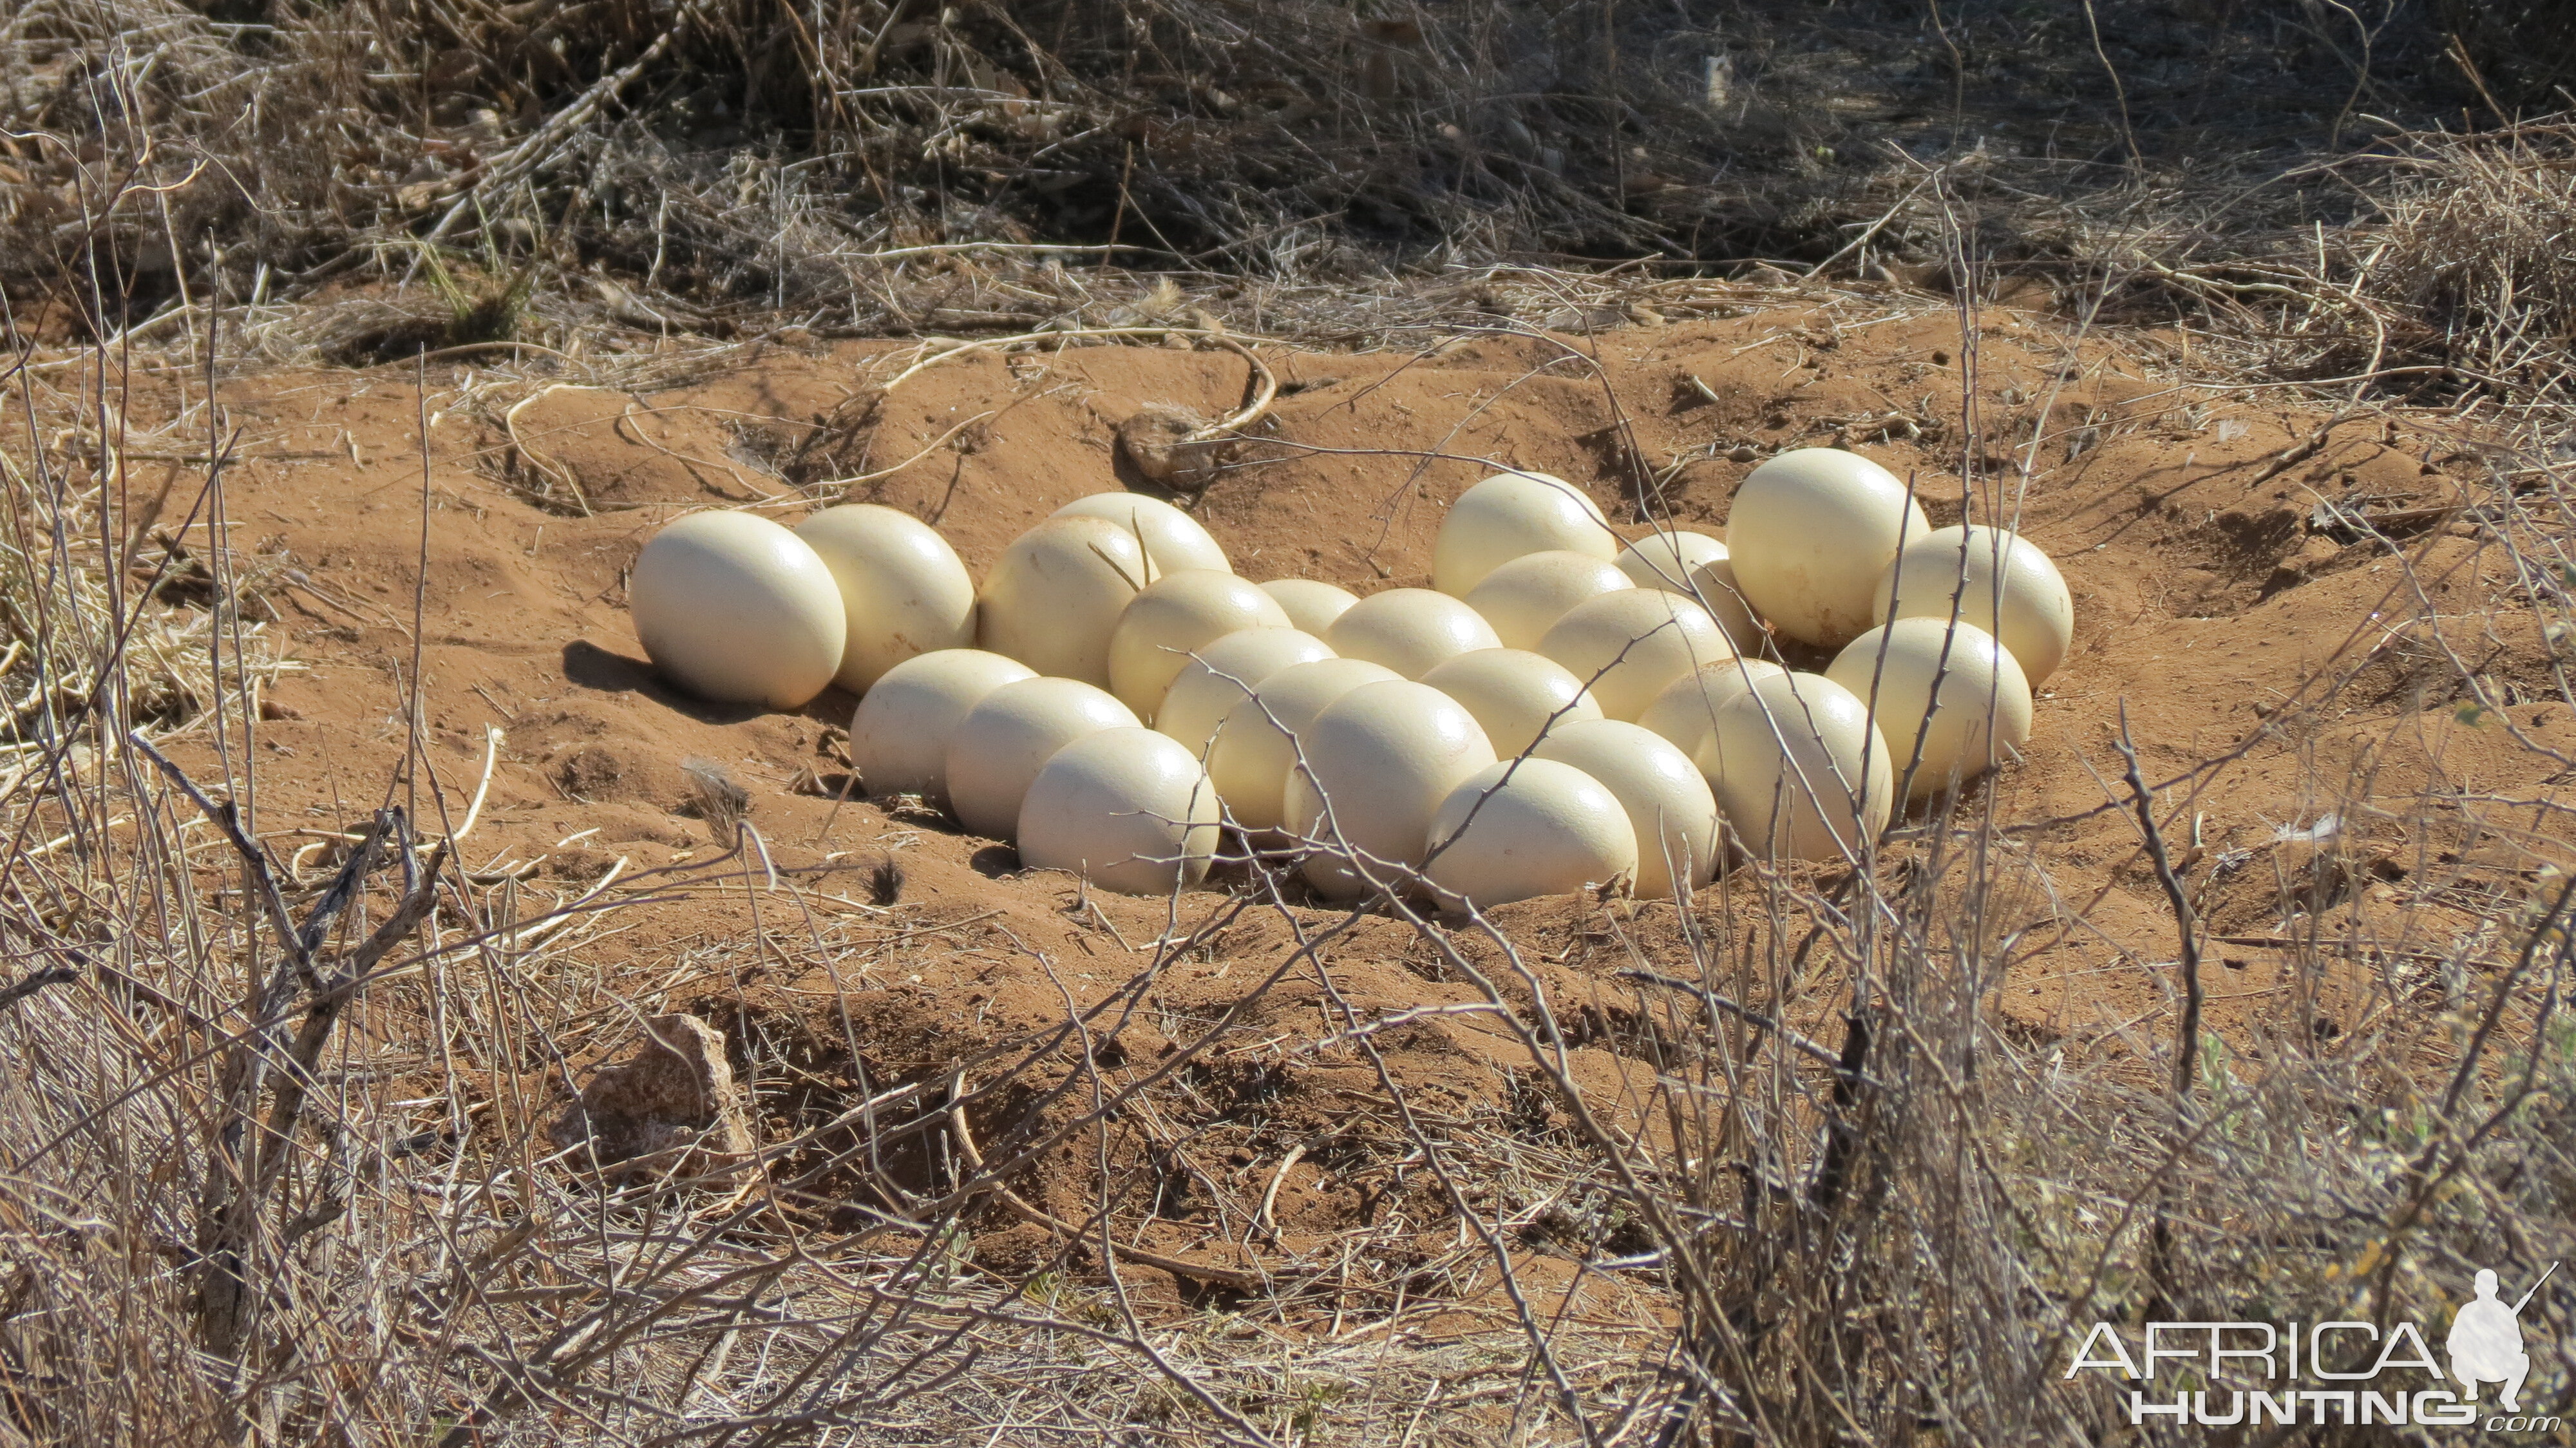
<point>1587,1162</point>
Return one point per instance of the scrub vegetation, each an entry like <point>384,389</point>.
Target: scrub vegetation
<point>294,1145</point>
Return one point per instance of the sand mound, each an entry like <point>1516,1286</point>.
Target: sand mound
<point>2219,597</point>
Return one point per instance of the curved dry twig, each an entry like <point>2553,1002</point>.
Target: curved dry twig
<point>538,460</point>
<point>1266,391</point>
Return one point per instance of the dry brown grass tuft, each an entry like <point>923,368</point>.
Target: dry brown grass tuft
<point>724,168</point>
<point>2465,262</point>
<point>2454,283</point>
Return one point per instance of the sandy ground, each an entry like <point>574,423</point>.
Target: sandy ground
<point>2209,608</point>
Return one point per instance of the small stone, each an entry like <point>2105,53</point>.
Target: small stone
<point>670,1109</point>
<point>1163,442</point>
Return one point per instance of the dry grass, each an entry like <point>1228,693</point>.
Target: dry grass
<point>2453,285</point>
<point>2464,264</point>
<point>245,1194</point>
<point>248,1197</point>
<point>724,169</point>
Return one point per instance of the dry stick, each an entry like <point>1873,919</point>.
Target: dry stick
<point>2119,92</point>
<point>231,1217</point>
<point>2293,456</point>
<point>419,893</point>
<point>1037,1146</point>
<point>1414,1128</point>
<point>927,450</point>
<point>996,344</point>
<point>523,159</point>
<point>537,460</point>
<point>2187,1031</point>
<point>1842,1135</point>
<point>34,981</point>
<point>1873,229</point>
<point>1265,392</point>
<point>2160,1244</point>
<point>1804,1045</point>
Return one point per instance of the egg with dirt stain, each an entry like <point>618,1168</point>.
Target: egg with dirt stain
<point>1525,597</point>
<point>1799,770</point>
<point>1993,578</point>
<point>1626,647</point>
<point>1522,828</point>
<point>1669,803</point>
<point>1664,558</point>
<point>1255,746</point>
<point>1515,695</point>
<point>1410,630</point>
<point>1686,709</point>
<point>1312,604</point>
<point>1950,699</point>
<point>1698,567</point>
<point>1177,613</point>
<point>1378,762</point>
<point>1219,675</point>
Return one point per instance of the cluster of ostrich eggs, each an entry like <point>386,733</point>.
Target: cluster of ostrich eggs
<point>1564,709</point>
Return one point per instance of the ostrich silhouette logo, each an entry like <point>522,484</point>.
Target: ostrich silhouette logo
<point>2486,1341</point>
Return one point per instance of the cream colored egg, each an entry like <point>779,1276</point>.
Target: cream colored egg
<point>1713,584</point>
<point>1523,828</point>
<point>1127,809</point>
<point>900,732</point>
<point>1410,630</point>
<point>2001,582</point>
<point>1256,745</point>
<point>1009,736</point>
<point>1524,597</point>
<point>1664,558</point>
<point>1980,718</point>
<point>1222,672</point>
<point>1510,514</point>
<point>903,591</point>
<point>1378,762</point>
<point>1054,596</point>
<point>735,608</point>
<point>1804,773</point>
<point>1312,605</point>
<point>1668,801</point>
<point>1177,613</point>
<point>1696,565</point>
<point>1810,533</point>
<point>1626,647</point>
<point>1173,538</point>
<point>1514,694</point>
<point>1687,707</point>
